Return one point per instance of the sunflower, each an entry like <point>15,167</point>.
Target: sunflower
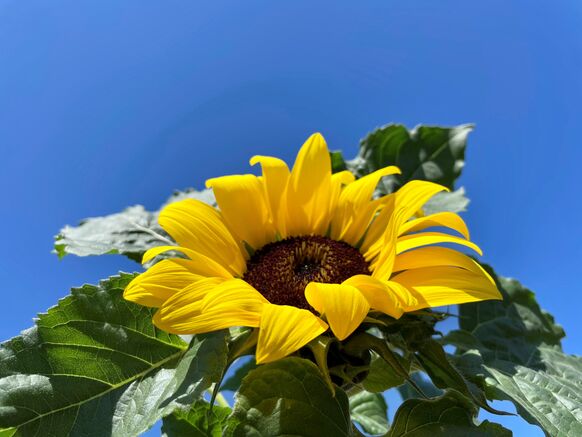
<point>297,253</point>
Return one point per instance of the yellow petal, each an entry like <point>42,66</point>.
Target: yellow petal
<point>308,190</point>
<point>344,306</point>
<point>338,180</point>
<point>436,257</point>
<point>378,294</point>
<point>276,175</point>
<point>405,296</point>
<point>354,212</point>
<point>198,226</point>
<point>211,306</point>
<point>402,205</point>
<point>244,207</point>
<point>382,266</point>
<point>446,219</point>
<point>201,264</point>
<point>414,194</point>
<point>408,242</point>
<point>153,287</point>
<point>175,313</point>
<point>284,330</point>
<point>374,238</point>
<point>440,286</point>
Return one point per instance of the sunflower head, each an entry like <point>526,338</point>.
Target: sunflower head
<point>282,270</point>
<point>296,253</point>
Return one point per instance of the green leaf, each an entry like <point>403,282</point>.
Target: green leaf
<point>454,201</point>
<point>407,391</point>
<point>513,328</point>
<point>443,374</point>
<point>513,348</point>
<point>426,152</point>
<point>337,161</point>
<point>233,383</point>
<point>199,421</point>
<point>550,397</point>
<point>94,365</point>
<point>130,232</point>
<point>290,397</point>
<point>452,415</point>
<point>382,376</point>
<point>370,411</point>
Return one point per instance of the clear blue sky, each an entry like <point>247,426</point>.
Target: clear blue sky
<point>109,103</point>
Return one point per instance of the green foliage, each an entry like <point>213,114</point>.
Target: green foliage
<point>382,376</point>
<point>94,365</point>
<point>290,397</point>
<point>407,391</point>
<point>451,414</point>
<point>233,383</point>
<point>370,411</point>
<point>431,153</point>
<point>130,232</point>
<point>454,201</point>
<point>513,348</point>
<point>201,420</point>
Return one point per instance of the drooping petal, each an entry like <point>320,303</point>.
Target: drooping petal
<point>378,294</point>
<point>243,203</point>
<point>276,175</point>
<point>198,226</point>
<point>408,242</point>
<point>175,313</point>
<point>308,190</point>
<point>440,286</point>
<point>408,201</point>
<point>211,306</point>
<point>374,238</point>
<point>200,264</point>
<point>436,257</point>
<point>414,194</point>
<point>285,329</point>
<point>344,306</point>
<point>355,209</point>
<point>153,287</point>
<point>445,219</point>
<point>382,265</point>
<point>405,296</point>
<point>338,181</point>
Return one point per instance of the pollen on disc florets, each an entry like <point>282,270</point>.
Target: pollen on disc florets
<point>280,271</point>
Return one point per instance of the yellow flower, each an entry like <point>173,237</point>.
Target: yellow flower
<point>295,253</point>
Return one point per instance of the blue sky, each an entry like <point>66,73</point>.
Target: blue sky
<point>107,104</point>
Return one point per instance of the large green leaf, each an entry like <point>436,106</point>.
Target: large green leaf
<point>94,365</point>
<point>290,397</point>
<point>426,152</point>
<point>234,381</point>
<point>513,347</point>
<point>370,411</point>
<point>130,232</point>
<point>407,391</point>
<point>201,420</point>
<point>451,414</point>
<point>549,394</point>
<point>381,376</point>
